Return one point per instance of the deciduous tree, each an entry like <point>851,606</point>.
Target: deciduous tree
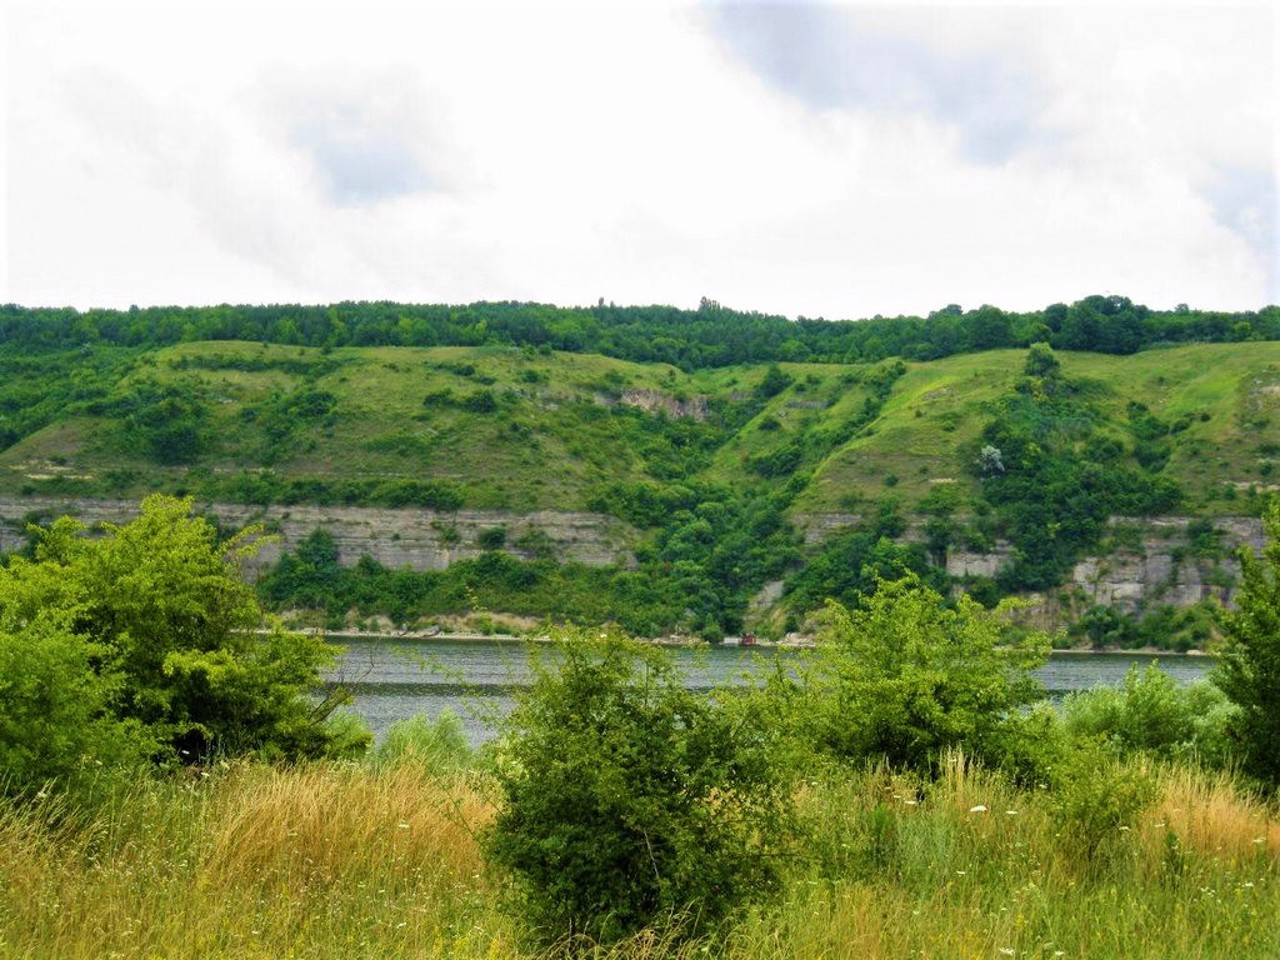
<point>1248,671</point>
<point>172,639</point>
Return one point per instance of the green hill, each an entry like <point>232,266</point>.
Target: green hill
<point>494,427</point>
<point>712,468</point>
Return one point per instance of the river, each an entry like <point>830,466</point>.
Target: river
<point>478,679</point>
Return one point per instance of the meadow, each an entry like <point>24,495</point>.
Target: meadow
<point>381,860</point>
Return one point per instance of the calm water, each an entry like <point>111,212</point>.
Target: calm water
<point>477,679</point>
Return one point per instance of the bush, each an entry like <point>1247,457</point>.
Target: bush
<point>169,637</point>
<point>438,745</point>
<point>904,678</point>
<point>1248,671</point>
<point>1098,799</point>
<point>1152,714</point>
<point>54,720</point>
<point>630,802</point>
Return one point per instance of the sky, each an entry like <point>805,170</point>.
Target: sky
<point>820,160</point>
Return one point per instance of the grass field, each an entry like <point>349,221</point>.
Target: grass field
<point>525,430</point>
<point>351,861</point>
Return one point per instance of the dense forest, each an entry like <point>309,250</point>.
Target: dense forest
<point>710,336</point>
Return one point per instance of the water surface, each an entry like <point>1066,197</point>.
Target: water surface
<point>478,679</point>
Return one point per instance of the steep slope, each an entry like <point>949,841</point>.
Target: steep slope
<point>506,428</point>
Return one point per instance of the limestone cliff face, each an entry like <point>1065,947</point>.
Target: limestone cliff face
<point>1157,567</point>
<point>1164,570</point>
<point>418,539</point>
<point>652,401</point>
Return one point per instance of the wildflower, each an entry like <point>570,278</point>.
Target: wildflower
<point>1007,951</point>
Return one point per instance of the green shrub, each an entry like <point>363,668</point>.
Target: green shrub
<point>439,745</point>
<point>905,678</point>
<point>1152,713</point>
<point>54,717</point>
<point>493,538</point>
<point>630,802</point>
<point>1248,671</point>
<point>1098,798</point>
<point>169,630</point>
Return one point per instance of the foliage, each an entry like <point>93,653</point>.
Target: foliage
<point>1099,798</point>
<point>1248,670</point>
<point>1151,713</point>
<point>1049,482</point>
<point>1157,627</point>
<point>629,801</point>
<point>851,563</point>
<point>166,422</point>
<point>439,745</point>
<point>312,579</point>
<point>54,716</point>
<point>904,678</point>
<point>1041,361</point>
<point>170,636</point>
<point>774,382</point>
<point>1105,627</point>
<point>689,339</point>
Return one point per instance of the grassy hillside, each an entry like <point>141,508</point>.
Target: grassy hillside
<point>713,470</point>
<point>517,428</point>
<point>1221,402</point>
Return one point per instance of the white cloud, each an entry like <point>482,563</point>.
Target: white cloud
<point>319,152</point>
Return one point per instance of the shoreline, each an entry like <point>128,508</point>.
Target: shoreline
<point>422,636</point>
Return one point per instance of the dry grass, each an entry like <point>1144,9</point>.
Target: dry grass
<point>1211,815</point>
<point>340,862</point>
<point>311,862</point>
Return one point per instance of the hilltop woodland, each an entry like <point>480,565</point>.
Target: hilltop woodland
<point>174,781</point>
<point>711,437</point>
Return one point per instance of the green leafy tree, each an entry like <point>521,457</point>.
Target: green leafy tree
<point>904,677</point>
<point>1248,671</point>
<point>629,801</point>
<point>1041,361</point>
<point>774,382</point>
<point>54,721</point>
<point>174,637</point>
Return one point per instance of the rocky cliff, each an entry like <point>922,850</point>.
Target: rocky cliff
<point>418,539</point>
<point>1158,563</point>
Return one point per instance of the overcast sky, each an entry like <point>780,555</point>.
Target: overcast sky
<point>818,160</point>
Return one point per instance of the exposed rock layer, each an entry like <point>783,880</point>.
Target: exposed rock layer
<point>1158,568</point>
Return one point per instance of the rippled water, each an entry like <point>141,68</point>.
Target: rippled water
<point>477,679</point>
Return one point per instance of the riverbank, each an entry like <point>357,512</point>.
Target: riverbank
<point>791,641</point>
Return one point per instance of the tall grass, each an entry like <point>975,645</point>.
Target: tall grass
<point>348,861</point>
<point>311,862</point>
